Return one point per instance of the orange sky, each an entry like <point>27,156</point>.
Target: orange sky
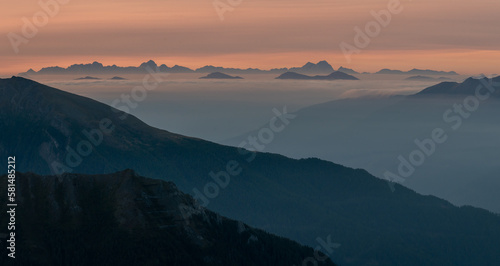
<point>460,35</point>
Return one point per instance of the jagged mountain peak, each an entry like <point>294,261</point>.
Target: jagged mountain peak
<point>152,64</point>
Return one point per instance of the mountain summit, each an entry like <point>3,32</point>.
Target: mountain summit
<point>336,75</point>
<point>220,75</point>
<point>322,67</point>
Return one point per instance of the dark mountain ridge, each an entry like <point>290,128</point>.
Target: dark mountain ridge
<point>87,78</point>
<point>220,75</point>
<point>336,75</point>
<point>126,219</point>
<point>348,70</point>
<point>321,67</point>
<point>416,72</point>
<point>470,86</point>
<point>98,68</point>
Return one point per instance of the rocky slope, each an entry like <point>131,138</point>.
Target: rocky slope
<point>126,219</point>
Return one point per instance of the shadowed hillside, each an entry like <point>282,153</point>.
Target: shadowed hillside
<point>304,200</point>
<point>126,219</point>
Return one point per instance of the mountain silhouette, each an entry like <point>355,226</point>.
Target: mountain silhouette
<point>123,218</point>
<point>347,70</point>
<point>419,78</point>
<point>470,86</point>
<point>416,72</point>
<point>219,75</point>
<point>87,77</point>
<point>322,67</point>
<point>98,68</point>
<point>336,75</point>
<point>211,69</point>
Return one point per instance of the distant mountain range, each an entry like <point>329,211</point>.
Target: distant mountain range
<point>336,75</point>
<point>468,87</point>
<point>416,72</point>
<point>347,70</point>
<point>95,78</point>
<point>425,78</point>
<point>98,68</point>
<point>125,219</point>
<point>211,69</point>
<point>219,75</point>
<point>320,68</point>
<point>312,201</point>
<point>88,78</point>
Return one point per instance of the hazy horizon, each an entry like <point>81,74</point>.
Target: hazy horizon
<point>252,34</point>
<point>136,163</point>
<point>335,67</point>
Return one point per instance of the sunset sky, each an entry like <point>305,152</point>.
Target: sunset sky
<point>460,35</point>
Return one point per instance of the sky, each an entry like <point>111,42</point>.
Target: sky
<point>459,35</point>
